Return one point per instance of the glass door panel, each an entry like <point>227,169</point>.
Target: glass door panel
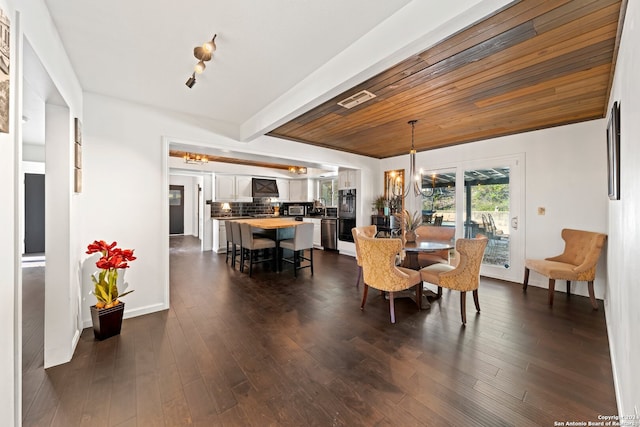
<point>439,198</point>
<point>487,211</point>
<point>491,207</point>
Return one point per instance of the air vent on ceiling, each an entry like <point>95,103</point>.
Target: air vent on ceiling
<point>356,99</point>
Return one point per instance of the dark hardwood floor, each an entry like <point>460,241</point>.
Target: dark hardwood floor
<point>274,350</point>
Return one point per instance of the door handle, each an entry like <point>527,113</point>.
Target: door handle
<point>514,222</point>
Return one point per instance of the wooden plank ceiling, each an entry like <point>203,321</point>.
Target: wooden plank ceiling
<point>532,65</point>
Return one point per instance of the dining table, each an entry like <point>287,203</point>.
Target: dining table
<point>412,249</point>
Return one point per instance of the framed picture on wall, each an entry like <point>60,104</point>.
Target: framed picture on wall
<point>77,180</point>
<point>613,152</point>
<point>78,130</point>
<point>5,60</point>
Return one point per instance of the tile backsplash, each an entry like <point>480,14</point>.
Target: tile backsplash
<point>259,206</point>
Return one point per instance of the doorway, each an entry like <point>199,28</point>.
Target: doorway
<point>176,209</point>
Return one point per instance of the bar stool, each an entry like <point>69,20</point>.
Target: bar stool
<point>302,240</point>
<point>237,241</point>
<point>251,245</point>
<point>230,253</point>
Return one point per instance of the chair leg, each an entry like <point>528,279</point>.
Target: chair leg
<point>296,262</point>
<point>552,289</point>
<point>226,258</point>
<point>526,279</point>
<point>439,292</point>
<point>592,295</point>
<point>250,262</point>
<point>419,295</point>
<point>364,295</point>
<point>359,275</point>
<point>568,288</point>
<point>242,255</point>
<point>463,307</point>
<point>476,301</point>
<point>311,259</point>
<point>274,259</point>
<point>392,308</point>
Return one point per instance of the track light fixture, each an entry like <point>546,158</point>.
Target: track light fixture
<point>196,159</point>
<point>191,81</point>
<point>203,54</point>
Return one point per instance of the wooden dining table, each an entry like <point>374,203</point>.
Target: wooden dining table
<point>412,249</point>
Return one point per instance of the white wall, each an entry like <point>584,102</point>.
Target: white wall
<point>33,152</point>
<point>190,201</point>
<point>623,293</point>
<point>565,173</point>
<point>128,141</point>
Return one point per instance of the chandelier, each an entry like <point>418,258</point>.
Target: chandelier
<point>195,159</point>
<point>415,177</point>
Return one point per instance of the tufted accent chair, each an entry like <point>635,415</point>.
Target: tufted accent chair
<point>378,258</point>
<point>368,231</point>
<point>464,277</point>
<point>578,262</point>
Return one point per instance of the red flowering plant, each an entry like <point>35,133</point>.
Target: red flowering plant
<point>105,281</point>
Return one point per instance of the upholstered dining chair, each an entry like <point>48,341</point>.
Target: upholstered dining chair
<point>251,245</point>
<point>578,262</point>
<point>432,232</point>
<point>302,240</point>
<point>236,237</point>
<point>464,277</point>
<point>379,270</point>
<point>368,231</point>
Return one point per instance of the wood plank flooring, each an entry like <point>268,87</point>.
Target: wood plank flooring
<point>275,350</point>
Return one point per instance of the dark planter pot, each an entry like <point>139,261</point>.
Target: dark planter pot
<point>107,321</point>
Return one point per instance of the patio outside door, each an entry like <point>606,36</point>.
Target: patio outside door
<point>492,207</point>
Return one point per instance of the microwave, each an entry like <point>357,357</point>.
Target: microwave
<point>296,210</point>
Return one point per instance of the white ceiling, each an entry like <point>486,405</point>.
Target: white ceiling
<point>142,50</point>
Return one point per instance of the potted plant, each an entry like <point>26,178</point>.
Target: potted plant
<point>380,203</point>
<point>106,314</point>
<point>410,223</point>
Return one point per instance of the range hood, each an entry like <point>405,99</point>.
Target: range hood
<point>262,187</point>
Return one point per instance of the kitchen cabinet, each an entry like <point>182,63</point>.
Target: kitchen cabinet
<point>317,231</point>
<point>301,190</point>
<point>232,188</point>
<point>283,190</point>
<point>347,178</point>
<point>219,236</point>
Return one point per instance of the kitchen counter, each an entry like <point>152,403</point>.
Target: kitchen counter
<point>289,217</point>
<point>222,218</point>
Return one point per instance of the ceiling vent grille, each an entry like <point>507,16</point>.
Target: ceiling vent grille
<point>356,99</point>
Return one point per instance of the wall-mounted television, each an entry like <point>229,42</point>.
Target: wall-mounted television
<point>613,152</point>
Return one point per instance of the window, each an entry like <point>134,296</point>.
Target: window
<point>328,191</point>
<point>440,199</point>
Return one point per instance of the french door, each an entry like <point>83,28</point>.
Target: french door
<point>489,203</point>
